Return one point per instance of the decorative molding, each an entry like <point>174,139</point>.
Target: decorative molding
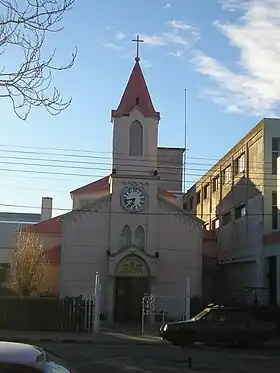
<point>115,259</point>
<point>136,183</point>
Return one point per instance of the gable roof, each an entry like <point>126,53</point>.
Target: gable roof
<point>182,211</point>
<point>96,186</point>
<point>136,94</point>
<point>166,194</point>
<point>50,226</point>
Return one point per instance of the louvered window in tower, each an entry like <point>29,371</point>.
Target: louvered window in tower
<point>136,139</point>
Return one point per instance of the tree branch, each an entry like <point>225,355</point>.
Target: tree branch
<point>24,26</point>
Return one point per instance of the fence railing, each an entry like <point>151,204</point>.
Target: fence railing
<point>47,314</point>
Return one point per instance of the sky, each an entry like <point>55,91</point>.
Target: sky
<point>225,53</point>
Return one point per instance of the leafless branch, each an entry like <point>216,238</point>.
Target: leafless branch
<point>24,26</point>
<point>28,264</point>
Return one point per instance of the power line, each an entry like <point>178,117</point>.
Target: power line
<point>117,155</point>
<point>68,161</point>
<point>181,212</point>
<point>131,176</point>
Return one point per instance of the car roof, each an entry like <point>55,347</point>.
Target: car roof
<point>21,353</point>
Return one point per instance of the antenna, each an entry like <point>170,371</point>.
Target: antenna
<point>185,143</point>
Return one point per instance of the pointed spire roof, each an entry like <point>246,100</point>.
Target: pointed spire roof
<point>136,94</point>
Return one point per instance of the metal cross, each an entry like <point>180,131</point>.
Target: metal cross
<point>138,41</point>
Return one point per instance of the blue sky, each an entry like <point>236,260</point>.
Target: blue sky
<point>225,53</point>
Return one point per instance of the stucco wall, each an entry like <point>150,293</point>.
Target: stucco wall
<point>84,245</point>
<point>180,249</point>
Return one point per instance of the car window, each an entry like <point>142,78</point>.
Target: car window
<point>214,316</point>
<point>201,314</point>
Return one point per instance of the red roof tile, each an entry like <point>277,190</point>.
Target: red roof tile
<point>96,186</point>
<point>50,226</point>
<point>54,254</point>
<point>136,94</point>
<point>164,193</point>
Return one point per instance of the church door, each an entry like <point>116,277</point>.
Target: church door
<point>129,292</point>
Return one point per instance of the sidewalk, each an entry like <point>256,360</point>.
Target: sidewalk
<point>100,338</point>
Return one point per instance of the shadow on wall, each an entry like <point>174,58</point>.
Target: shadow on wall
<point>239,237</point>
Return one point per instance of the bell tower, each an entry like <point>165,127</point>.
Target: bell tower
<point>135,133</point>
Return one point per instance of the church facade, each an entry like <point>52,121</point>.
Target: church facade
<point>130,225</point>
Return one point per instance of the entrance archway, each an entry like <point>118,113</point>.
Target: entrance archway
<point>132,281</point>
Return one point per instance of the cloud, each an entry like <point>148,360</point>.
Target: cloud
<point>180,34</point>
<point>114,47</point>
<point>178,53</point>
<point>120,35</point>
<point>145,64</point>
<point>167,6</point>
<point>255,34</point>
<point>233,5</point>
<point>176,39</point>
<point>179,24</point>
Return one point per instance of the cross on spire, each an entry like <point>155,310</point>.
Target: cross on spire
<point>138,41</point>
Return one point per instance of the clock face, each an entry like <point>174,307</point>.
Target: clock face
<point>133,199</point>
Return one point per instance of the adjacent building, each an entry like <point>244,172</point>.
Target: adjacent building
<point>237,198</point>
<point>10,223</point>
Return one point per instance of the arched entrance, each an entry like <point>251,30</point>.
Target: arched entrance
<point>132,281</point>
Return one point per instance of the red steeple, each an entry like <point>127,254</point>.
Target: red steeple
<point>136,94</point>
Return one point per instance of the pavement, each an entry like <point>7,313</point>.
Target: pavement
<point>131,352</point>
<point>164,358</point>
<point>100,338</point>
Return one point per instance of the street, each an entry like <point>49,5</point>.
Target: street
<point>119,358</point>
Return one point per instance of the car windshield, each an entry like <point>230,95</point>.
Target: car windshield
<point>54,364</point>
<point>201,314</point>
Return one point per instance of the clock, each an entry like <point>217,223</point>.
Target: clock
<point>133,199</point>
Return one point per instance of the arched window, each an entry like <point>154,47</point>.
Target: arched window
<point>139,238</point>
<point>136,139</point>
<point>125,237</point>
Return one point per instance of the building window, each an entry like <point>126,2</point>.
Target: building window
<point>226,218</point>
<point>274,212</point>
<point>272,279</point>
<point>215,184</point>
<point>139,238</point>
<point>191,203</point>
<point>215,223</point>
<point>206,191</point>
<point>207,226</point>
<point>226,175</point>
<point>125,238</point>
<point>239,165</point>
<point>198,197</point>
<point>275,154</point>
<point>240,211</point>
<point>136,139</point>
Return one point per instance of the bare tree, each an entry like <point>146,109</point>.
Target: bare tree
<point>24,26</point>
<point>28,264</point>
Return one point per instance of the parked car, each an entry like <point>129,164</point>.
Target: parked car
<point>219,324</point>
<point>25,358</point>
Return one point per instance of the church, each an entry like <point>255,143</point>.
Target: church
<point>130,226</point>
